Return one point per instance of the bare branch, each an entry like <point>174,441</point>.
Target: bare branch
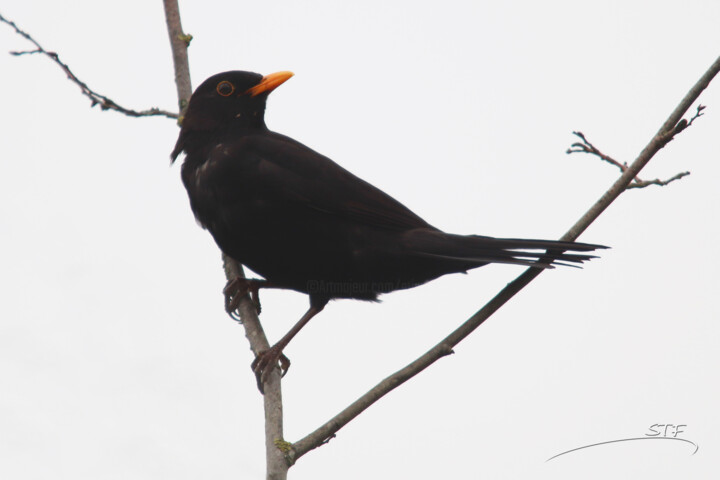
<point>657,181</point>
<point>276,463</point>
<point>587,147</point>
<point>661,138</point>
<point>96,98</point>
<point>280,454</point>
<point>275,445</point>
<point>179,43</point>
<point>683,124</point>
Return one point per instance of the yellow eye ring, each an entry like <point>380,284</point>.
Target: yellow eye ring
<point>225,88</point>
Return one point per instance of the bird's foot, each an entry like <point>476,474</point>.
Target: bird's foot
<point>237,288</point>
<point>266,361</point>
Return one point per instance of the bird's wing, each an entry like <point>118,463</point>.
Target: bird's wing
<point>282,171</point>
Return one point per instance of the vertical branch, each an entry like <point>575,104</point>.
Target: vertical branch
<point>179,43</point>
<point>277,466</point>
<point>275,445</point>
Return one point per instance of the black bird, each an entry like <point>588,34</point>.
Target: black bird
<point>305,223</point>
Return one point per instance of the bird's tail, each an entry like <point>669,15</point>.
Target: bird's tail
<point>475,250</point>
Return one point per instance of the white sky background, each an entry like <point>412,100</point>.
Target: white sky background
<point>117,360</point>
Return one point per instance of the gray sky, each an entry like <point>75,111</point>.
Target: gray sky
<point>117,360</point>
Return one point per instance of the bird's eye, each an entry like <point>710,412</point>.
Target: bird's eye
<point>225,88</point>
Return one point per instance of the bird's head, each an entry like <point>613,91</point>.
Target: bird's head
<point>227,100</point>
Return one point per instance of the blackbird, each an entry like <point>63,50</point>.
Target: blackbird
<point>305,223</point>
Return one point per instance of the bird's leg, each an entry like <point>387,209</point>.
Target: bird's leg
<point>265,361</point>
<point>238,287</point>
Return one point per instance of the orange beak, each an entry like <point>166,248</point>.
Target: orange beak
<point>269,83</point>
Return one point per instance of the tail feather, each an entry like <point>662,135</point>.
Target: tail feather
<point>476,250</point>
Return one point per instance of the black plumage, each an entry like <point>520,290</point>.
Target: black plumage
<point>303,222</point>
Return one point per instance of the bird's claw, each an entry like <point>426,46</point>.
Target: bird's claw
<point>236,289</point>
<point>265,362</point>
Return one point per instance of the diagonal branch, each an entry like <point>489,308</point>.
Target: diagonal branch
<point>96,98</point>
<point>662,137</point>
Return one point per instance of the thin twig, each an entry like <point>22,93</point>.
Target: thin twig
<point>657,181</point>
<point>587,147</point>
<point>96,98</point>
<point>661,138</point>
<point>683,124</point>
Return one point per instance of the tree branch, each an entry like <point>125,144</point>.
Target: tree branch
<point>666,133</point>
<point>96,98</point>
<point>277,465</point>
<point>586,147</point>
<point>275,445</point>
<point>657,181</point>
<point>179,43</point>
<point>280,454</point>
